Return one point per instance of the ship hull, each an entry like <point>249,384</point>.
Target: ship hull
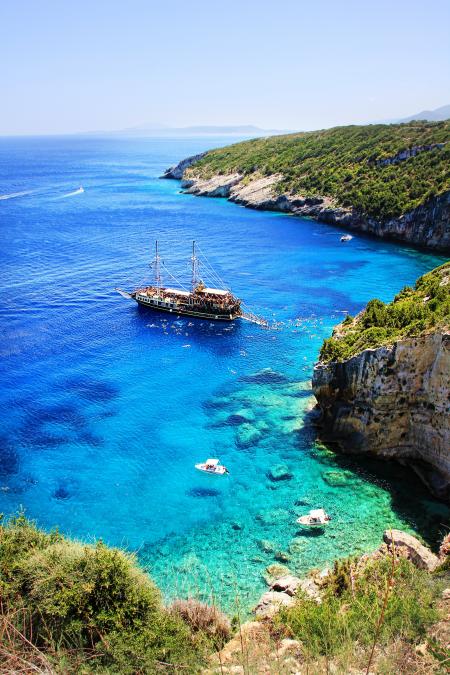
<point>181,311</point>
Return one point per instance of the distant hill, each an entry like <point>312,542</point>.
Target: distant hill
<point>437,115</point>
<point>200,130</point>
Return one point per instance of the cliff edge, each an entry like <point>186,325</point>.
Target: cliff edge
<point>392,400</point>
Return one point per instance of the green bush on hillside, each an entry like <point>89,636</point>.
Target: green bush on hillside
<point>76,598</point>
<point>350,610</point>
<point>412,312</point>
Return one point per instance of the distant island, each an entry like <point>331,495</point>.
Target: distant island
<point>391,181</point>
<point>239,130</point>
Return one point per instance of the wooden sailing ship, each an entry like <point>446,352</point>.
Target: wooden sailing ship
<point>199,301</point>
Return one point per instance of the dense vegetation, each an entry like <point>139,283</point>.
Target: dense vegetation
<point>70,607</point>
<point>384,602</point>
<point>413,311</point>
<point>346,163</point>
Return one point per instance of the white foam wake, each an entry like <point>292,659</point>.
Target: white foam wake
<point>13,195</point>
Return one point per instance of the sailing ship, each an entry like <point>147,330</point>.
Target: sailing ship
<point>201,301</point>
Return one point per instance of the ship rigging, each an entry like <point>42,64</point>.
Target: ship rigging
<point>201,301</point>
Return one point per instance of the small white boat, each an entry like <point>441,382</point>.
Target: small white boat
<point>346,237</point>
<point>315,518</point>
<point>212,466</point>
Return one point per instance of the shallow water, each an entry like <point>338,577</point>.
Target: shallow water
<point>106,407</point>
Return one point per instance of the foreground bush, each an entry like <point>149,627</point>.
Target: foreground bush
<point>73,600</point>
<point>377,604</point>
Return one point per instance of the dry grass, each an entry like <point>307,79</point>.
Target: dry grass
<point>202,618</point>
<point>17,653</point>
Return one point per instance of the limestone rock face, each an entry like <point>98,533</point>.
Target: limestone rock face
<point>392,402</point>
<point>427,225</point>
<point>178,170</point>
<point>217,186</point>
<point>420,555</point>
<point>287,584</point>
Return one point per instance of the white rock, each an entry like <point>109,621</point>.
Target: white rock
<point>421,556</point>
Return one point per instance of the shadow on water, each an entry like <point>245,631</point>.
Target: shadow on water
<point>410,499</point>
<point>218,337</point>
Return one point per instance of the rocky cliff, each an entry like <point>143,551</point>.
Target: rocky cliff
<point>392,400</point>
<point>427,225</point>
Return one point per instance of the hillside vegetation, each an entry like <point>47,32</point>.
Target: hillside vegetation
<point>379,170</point>
<point>70,607</point>
<point>412,312</point>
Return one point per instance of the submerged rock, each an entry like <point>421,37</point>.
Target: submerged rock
<point>266,545</point>
<point>272,516</point>
<point>279,472</point>
<point>282,556</point>
<point>247,436</point>
<point>338,478</point>
<point>297,545</point>
<point>265,376</point>
<point>274,572</point>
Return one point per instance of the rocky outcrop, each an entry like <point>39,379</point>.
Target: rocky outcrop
<point>407,153</point>
<point>392,402</point>
<point>420,555</point>
<point>427,225</point>
<point>178,170</point>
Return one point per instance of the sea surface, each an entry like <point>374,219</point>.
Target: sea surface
<point>106,407</point>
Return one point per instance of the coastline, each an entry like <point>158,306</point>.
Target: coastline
<point>425,226</point>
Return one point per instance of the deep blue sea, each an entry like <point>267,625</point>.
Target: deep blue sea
<point>106,407</point>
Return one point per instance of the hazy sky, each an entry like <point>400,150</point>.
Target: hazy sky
<point>289,64</point>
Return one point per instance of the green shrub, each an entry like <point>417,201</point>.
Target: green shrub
<point>75,597</point>
<point>349,615</point>
<point>411,313</point>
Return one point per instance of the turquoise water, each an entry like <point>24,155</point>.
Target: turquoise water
<point>106,407</point>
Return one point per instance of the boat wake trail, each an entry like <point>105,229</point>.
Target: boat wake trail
<point>13,195</point>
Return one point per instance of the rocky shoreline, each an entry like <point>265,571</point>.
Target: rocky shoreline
<point>425,226</point>
<point>255,643</point>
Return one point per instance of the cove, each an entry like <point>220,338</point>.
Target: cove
<point>104,409</point>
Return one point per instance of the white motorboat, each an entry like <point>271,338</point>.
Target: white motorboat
<point>212,466</point>
<point>346,237</point>
<point>315,518</point>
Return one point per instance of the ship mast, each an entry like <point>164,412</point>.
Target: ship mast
<point>157,268</point>
<point>194,268</point>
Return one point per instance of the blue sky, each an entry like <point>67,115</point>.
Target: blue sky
<point>110,64</point>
